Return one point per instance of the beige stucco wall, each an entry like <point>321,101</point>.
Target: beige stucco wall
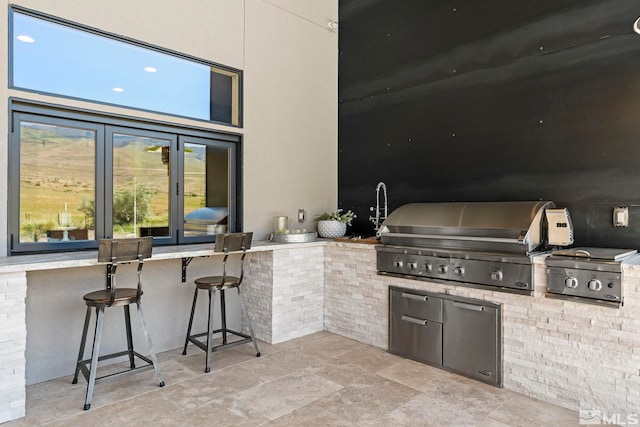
<point>290,60</point>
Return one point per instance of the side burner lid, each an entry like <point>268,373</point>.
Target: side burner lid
<point>609,254</point>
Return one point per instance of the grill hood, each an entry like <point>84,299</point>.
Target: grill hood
<point>513,227</point>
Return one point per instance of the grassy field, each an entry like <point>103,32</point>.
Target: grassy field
<point>58,169</point>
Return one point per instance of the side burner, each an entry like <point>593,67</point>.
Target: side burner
<point>588,274</point>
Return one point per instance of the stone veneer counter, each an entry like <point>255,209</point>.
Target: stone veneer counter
<point>577,355</point>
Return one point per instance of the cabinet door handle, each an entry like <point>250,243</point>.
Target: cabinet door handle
<point>414,320</point>
<point>468,306</point>
<point>414,296</point>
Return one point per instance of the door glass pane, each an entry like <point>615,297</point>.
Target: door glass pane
<point>206,189</point>
<point>141,177</point>
<point>57,183</point>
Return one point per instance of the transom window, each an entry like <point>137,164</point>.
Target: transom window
<point>51,55</point>
<point>77,177</point>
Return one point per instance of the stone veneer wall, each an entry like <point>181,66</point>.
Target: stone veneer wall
<point>256,289</point>
<point>285,292</point>
<point>13,338</point>
<point>576,355</point>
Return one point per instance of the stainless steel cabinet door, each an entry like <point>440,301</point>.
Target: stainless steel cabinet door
<point>470,342</point>
<point>415,338</point>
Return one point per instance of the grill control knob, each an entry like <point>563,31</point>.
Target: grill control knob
<point>428,268</point>
<point>442,269</point>
<point>458,271</point>
<point>397,263</point>
<point>571,282</point>
<point>497,275</point>
<point>595,285</point>
<point>412,265</point>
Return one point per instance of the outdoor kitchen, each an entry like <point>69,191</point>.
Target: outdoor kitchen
<point>480,159</point>
<point>568,351</point>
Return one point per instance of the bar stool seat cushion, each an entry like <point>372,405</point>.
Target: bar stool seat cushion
<point>123,296</point>
<point>216,282</point>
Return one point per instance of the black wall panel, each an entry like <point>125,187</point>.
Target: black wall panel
<point>493,100</point>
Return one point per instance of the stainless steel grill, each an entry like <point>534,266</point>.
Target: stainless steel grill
<point>482,243</point>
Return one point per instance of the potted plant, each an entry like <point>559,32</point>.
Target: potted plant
<point>334,224</point>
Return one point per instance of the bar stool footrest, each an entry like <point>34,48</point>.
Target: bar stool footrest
<point>83,365</point>
<point>203,345</point>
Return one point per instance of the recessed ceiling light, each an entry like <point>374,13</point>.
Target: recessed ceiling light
<point>117,89</point>
<point>150,69</point>
<point>26,39</point>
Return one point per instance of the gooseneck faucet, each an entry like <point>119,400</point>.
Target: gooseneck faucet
<point>379,217</point>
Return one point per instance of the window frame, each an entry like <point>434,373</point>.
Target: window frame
<point>15,181</point>
<point>174,177</point>
<point>233,171</point>
<point>237,102</point>
<point>105,123</point>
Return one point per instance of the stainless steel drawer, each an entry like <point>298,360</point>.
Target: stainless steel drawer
<point>415,338</point>
<point>414,304</point>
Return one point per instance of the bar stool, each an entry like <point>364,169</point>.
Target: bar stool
<point>230,244</point>
<point>114,252</point>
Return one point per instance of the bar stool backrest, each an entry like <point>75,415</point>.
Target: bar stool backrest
<point>124,250</point>
<point>230,243</point>
<point>116,251</point>
<point>233,242</point>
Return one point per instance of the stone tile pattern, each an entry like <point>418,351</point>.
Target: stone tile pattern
<point>318,380</point>
<point>576,355</point>
<point>257,290</point>
<point>13,341</point>
<point>356,297</point>
<point>285,292</point>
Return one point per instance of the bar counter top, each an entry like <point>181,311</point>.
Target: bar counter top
<point>51,261</point>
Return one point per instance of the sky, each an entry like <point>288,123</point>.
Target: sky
<point>79,64</point>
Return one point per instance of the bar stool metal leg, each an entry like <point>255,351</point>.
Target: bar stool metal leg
<point>152,353</point>
<point>83,341</point>
<point>193,310</point>
<point>223,317</point>
<point>127,324</point>
<point>94,356</point>
<point>207,368</point>
<point>246,314</point>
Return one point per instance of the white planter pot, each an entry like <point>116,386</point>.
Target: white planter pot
<point>331,229</point>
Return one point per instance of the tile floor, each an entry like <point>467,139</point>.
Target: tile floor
<point>318,380</point>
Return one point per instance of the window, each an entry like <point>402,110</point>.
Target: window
<point>76,177</point>
<point>49,55</point>
<point>141,182</point>
<point>57,173</point>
